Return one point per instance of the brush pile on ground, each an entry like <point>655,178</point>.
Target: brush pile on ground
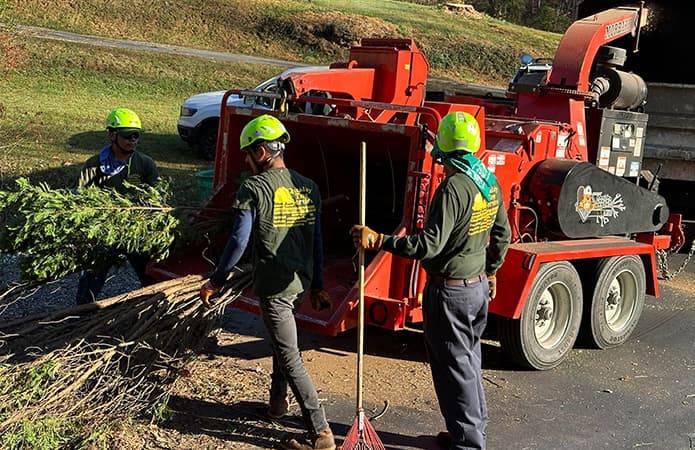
<point>66,375</point>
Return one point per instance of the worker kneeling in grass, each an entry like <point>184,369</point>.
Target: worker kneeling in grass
<point>117,163</point>
<point>466,213</point>
<point>283,210</point>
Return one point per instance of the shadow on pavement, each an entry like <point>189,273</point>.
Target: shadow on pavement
<point>239,422</point>
<point>390,440</point>
<point>247,422</point>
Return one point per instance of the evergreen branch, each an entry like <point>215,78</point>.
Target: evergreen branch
<point>61,231</point>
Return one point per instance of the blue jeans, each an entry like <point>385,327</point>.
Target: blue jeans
<point>454,320</point>
<point>288,367</point>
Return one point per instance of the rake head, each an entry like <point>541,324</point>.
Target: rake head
<point>362,435</point>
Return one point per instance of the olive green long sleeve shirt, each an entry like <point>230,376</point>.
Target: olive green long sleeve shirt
<point>464,235</point>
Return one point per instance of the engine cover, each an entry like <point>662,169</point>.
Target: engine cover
<point>578,200</point>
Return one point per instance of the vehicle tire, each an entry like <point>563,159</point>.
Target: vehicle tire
<point>207,140</point>
<point>549,324</point>
<point>614,305</point>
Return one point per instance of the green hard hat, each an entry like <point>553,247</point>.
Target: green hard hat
<point>121,118</point>
<point>458,131</point>
<point>263,128</point>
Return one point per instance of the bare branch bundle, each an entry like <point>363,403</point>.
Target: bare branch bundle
<point>95,363</point>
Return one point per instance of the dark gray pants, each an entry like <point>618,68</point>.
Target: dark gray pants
<point>288,367</point>
<point>92,281</point>
<point>454,320</point>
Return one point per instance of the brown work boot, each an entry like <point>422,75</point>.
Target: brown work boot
<point>322,441</point>
<point>443,439</point>
<point>278,408</point>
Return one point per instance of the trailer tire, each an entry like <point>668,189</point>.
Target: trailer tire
<point>614,306</point>
<point>549,324</point>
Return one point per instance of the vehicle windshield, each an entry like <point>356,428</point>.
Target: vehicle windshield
<point>268,86</point>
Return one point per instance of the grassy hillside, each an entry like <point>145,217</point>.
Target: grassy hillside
<point>53,103</point>
<point>53,106</point>
<point>482,50</point>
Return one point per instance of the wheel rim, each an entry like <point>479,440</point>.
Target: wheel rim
<point>553,313</point>
<point>620,301</point>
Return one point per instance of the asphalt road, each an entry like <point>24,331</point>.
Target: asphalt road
<point>640,395</point>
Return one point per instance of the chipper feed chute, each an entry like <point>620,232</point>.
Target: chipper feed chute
<point>325,150</point>
<point>377,101</point>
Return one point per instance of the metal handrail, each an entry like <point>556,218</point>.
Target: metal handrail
<point>366,104</point>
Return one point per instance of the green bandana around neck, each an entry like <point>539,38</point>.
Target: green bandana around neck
<point>471,166</point>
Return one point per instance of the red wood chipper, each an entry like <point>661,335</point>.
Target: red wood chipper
<point>565,145</point>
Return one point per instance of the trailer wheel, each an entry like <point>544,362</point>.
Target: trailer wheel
<point>549,324</point>
<point>615,304</point>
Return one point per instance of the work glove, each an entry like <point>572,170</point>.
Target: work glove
<point>492,284</point>
<point>365,238</point>
<point>320,300</point>
<point>207,291</point>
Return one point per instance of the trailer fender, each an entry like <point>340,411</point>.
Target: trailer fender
<point>518,273</point>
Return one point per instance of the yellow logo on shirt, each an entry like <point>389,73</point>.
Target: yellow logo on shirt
<point>479,202</point>
<point>484,213</point>
<point>293,207</point>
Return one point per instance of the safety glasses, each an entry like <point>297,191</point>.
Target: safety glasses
<point>129,135</point>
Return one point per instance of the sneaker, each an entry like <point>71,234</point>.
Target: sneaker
<point>278,408</point>
<point>443,439</point>
<point>322,441</point>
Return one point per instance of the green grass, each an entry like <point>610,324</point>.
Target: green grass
<point>55,103</point>
<point>467,49</point>
<point>46,433</point>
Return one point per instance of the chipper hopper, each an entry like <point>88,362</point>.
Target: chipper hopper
<point>565,146</point>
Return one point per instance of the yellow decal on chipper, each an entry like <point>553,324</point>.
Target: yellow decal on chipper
<point>293,207</point>
<point>484,212</point>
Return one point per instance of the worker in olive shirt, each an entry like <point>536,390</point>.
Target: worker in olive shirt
<point>282,208</point>
<point>116,163</point>
<point>466,213</point>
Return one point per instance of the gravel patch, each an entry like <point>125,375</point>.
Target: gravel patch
<point>59,294</point>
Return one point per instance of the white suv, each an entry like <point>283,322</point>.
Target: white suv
<point>200,114</point>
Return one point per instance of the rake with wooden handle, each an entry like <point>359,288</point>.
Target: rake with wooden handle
<point>361,435</point>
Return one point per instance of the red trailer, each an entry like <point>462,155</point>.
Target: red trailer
<point>565,146</point>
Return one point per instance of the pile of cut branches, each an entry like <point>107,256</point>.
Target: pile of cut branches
<point>92,364</point>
